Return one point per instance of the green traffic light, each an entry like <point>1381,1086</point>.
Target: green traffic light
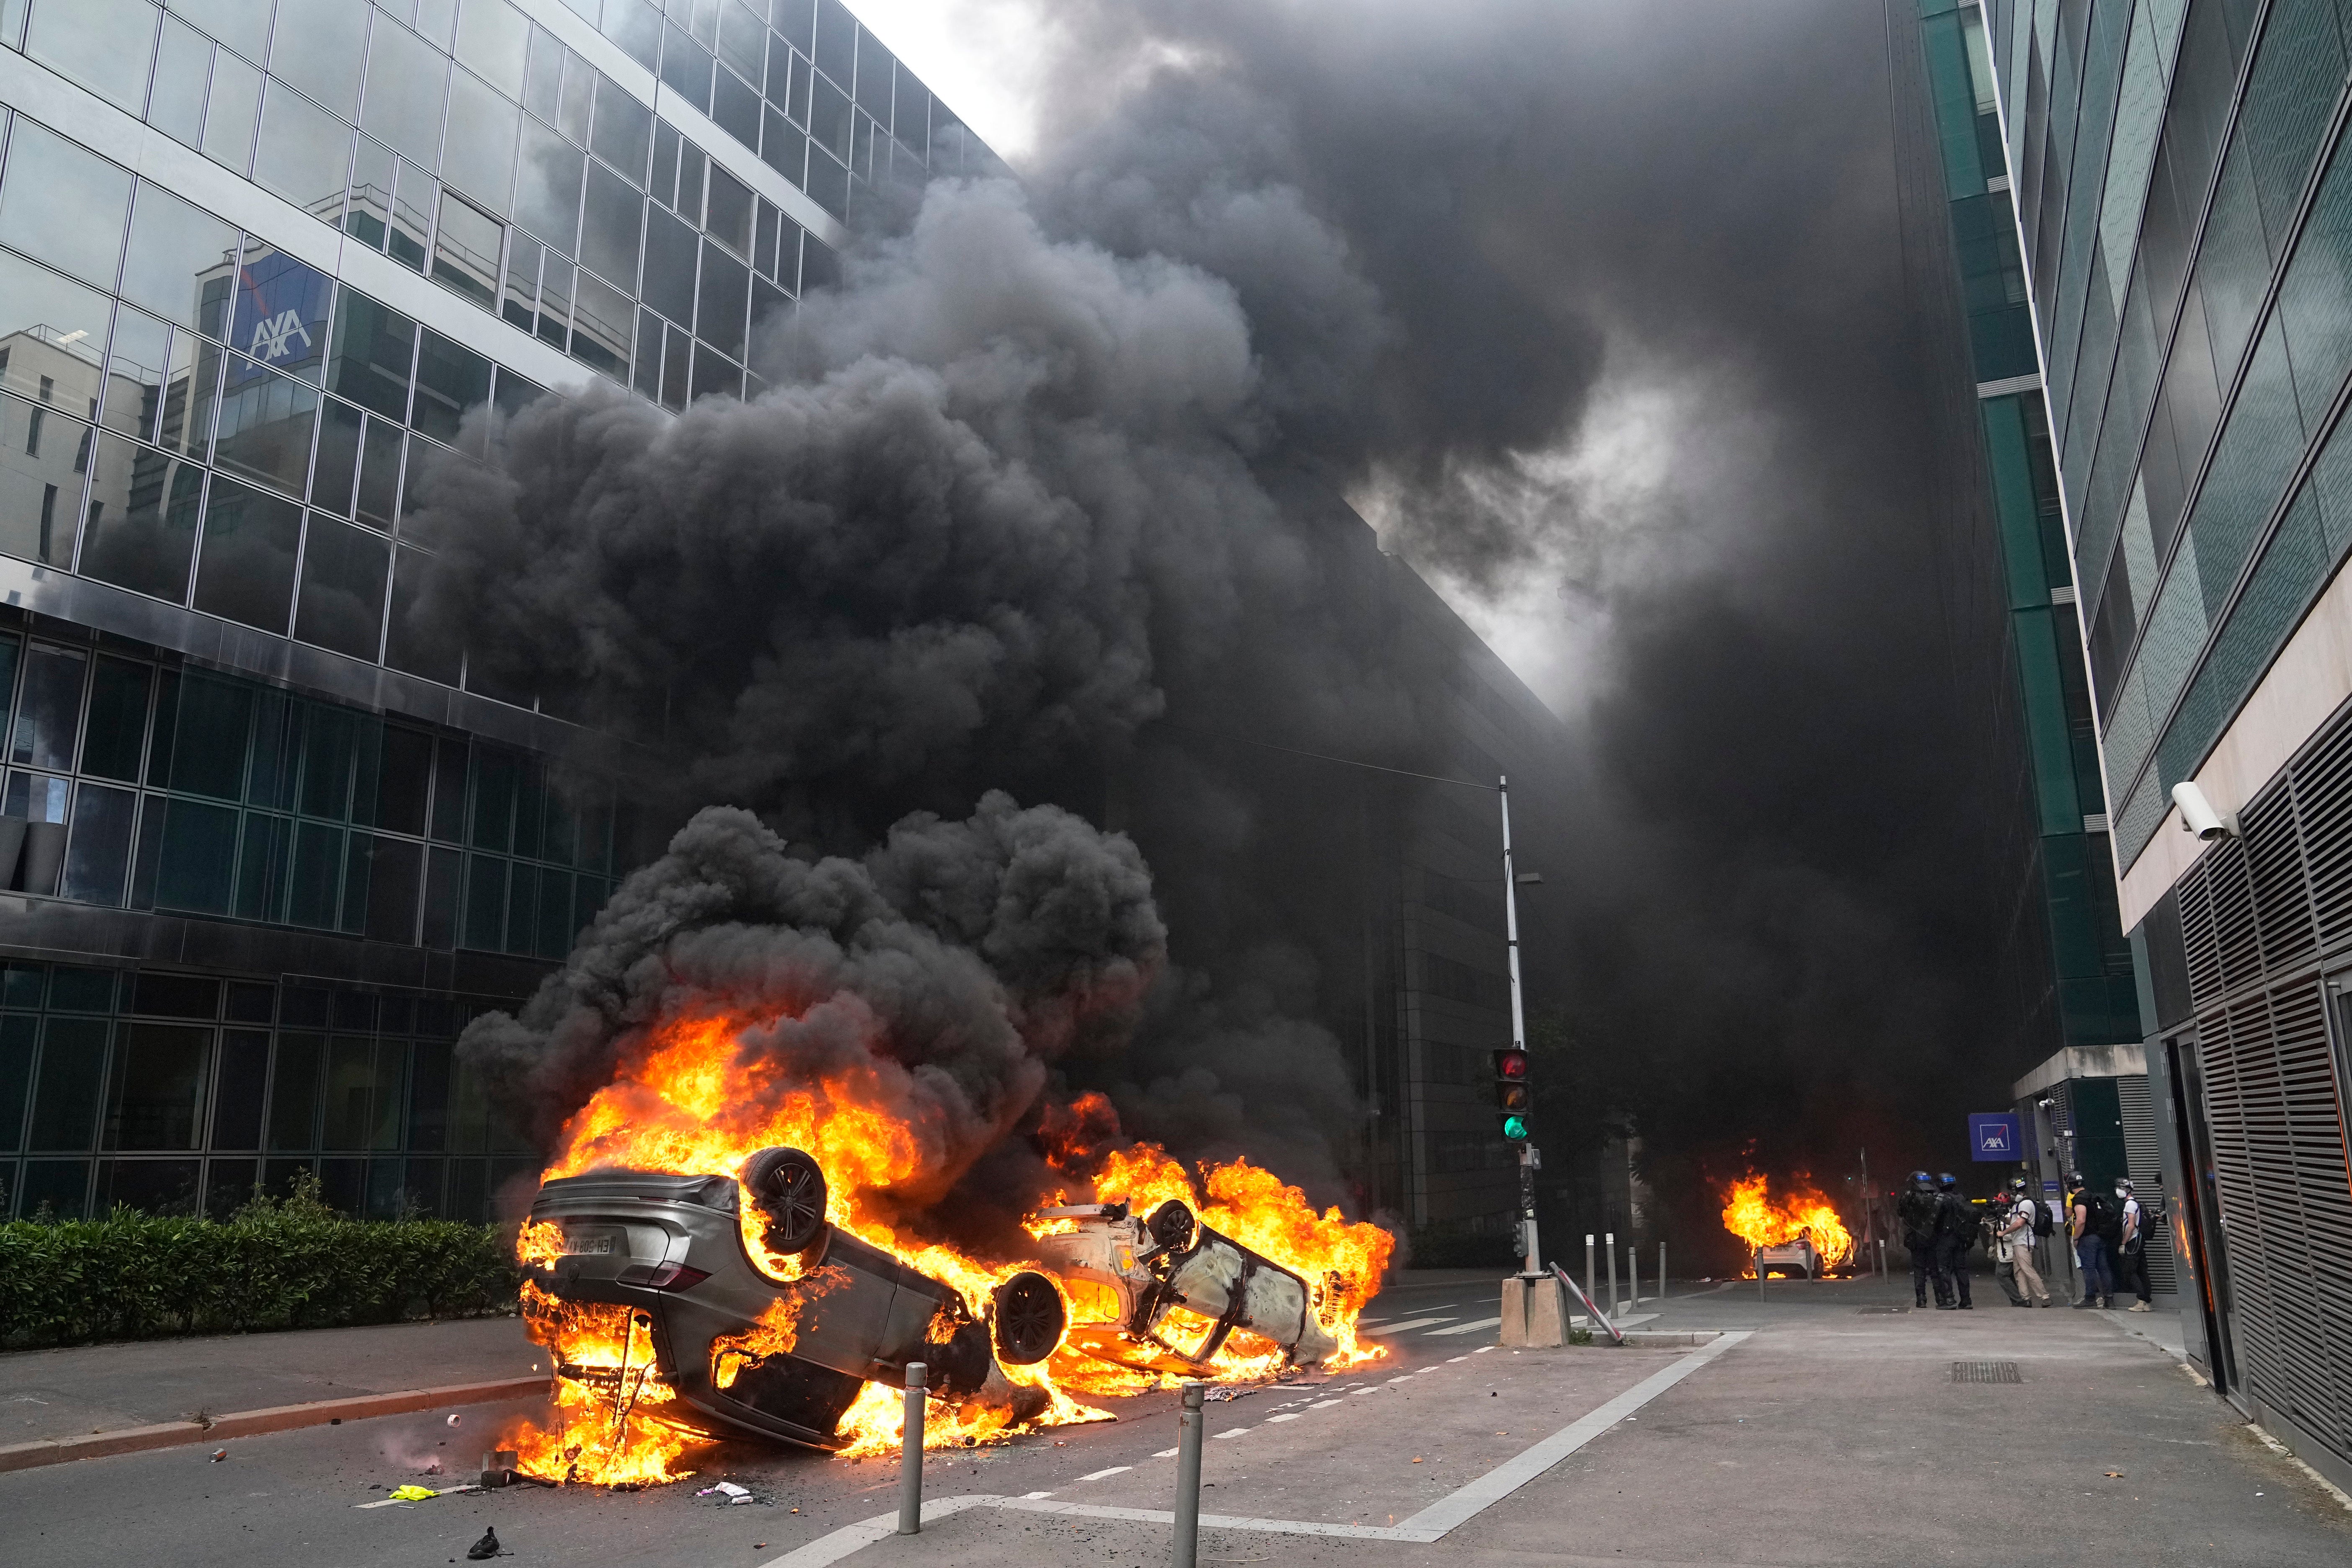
<point>1514,1128</point>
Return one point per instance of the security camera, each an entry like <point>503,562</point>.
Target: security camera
<point>2197,816</point>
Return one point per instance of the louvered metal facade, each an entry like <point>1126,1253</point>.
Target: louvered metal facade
<point>2264,925</point>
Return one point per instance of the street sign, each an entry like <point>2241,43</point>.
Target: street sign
<point>1992,1135</point>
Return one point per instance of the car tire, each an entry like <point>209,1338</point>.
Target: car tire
<point>787,1189</point>
<point>1171,1226</point>
<point>1029,1319</point>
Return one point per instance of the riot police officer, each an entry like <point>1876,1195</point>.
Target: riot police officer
<point>1916,1211</point>
<point>1956,1232</point>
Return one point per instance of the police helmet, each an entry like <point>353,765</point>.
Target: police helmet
<point>1921,1180</point>
<point>1947,1181</point>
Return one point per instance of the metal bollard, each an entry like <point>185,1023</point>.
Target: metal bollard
<point>1189,1425</point>
<point>1662,1271</point>
<point>1882,1258</point>
<point>1634,1272</point>
<point>1591,1293</point>
<point>910,1456</point>
<point>1759,1273</point>
<point>1609,1244</point>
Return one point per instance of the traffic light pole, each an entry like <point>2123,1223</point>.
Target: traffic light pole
<point>1534,1264</point>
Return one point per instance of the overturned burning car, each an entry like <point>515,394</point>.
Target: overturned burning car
<point>669,1250</point>
<point>728,1345</point>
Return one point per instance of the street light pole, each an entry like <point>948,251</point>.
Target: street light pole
<point>1534,1264</point>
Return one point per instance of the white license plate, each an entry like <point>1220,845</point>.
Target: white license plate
<point>596,1245</point>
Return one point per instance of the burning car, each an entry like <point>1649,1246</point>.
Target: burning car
<point>728,1344</point>
<point>1166,1293</point>
<point>1796,1258</point>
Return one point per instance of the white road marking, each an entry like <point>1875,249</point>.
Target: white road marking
<point>1033,1497</point>
<point>1413,1323</point>
<point>1470,1328</point>
<point>1452,1359</point>
<point>1432,1524</point>
<point>1165,1453</point>
<point>1230,1432</point>
<point>1291,1415</point>
<point>1323,1405</point>
<point>1482,1350</point>
<point>1099,1474</point>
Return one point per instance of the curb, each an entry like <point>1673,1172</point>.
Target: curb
<point>256,1423</point>
<point>1652,1338</point>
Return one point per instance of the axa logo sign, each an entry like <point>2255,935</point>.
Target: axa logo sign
<point>273,336</point>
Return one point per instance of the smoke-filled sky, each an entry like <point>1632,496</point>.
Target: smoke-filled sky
<point>1596,311</point>
<point>1651,421</point>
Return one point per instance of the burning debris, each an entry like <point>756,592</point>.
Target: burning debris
<point>811,1075</point>
<point>1804,1218</point>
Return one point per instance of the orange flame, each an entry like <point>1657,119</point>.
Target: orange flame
<point>691,1102</point>
<point>1751,1213</point>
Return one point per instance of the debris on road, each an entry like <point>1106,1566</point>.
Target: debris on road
<point>729,1494</point>
<point>219,1454</point>
<point>486,1547</point>
<point>412,1493</point>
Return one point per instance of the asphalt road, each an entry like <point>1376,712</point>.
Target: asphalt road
<point>291,1498</point>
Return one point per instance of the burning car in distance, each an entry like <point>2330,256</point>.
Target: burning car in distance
<point>729,1306</point>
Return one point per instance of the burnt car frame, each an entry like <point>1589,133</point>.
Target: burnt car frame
<point>670,1249</point>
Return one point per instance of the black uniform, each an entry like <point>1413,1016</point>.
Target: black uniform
<point>1917,1212</point>
<point>1956,1232</point>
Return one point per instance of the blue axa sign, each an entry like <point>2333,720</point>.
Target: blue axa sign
<point>1994,1135</point>
<point>282,308</point>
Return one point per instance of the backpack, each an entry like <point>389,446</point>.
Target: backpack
<point>2098,1214</point>
<point>2043,1225</point>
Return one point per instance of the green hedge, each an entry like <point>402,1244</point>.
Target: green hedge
<point>291,1264</point>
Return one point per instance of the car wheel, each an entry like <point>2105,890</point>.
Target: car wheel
<point>1171,1226</point>
<point>1029,1319</point>
<point>787,1188</point>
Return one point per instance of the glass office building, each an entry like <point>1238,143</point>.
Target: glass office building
<point>2182,201</point>
<point>262,263</point>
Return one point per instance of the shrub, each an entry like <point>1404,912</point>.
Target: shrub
<point>290,1263</point>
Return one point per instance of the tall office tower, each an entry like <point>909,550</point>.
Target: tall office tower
<point>262,852</point>
<point>2184,224</point>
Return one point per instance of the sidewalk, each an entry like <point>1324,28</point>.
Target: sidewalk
<point>59,1394</point>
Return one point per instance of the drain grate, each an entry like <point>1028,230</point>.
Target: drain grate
<point>1880,1311</point>
<point>1985,1372</point>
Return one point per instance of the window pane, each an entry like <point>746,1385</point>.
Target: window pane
<point>715,376</point>
<point>686,67</point>
<point>335,469</point>
<point>304,154</point>
<point>65,1098</point>
<point>161,1079</point>
<point>608,240</point>
<point>247,571</point>
<point>192,395</point>
<point>135,366</point>
<point>622,130</point>
<point>117,717</point>
<point>342,605</point>
<point>523,908</point>
<point>412,216</point>
<point>63,204</point>
<point>242,24</point>
<point>727,214</point>
<point>518,291</point>
<point>176,251</point>
<point>493,38</point>
<point>237,1102</point>
<point>497,774</point>
<point>266,425</point>
<point>104,45</point>
<point>317,47</point>
<point>558,281</point>
<point>828,183</point>
<point>42,318</point>
<point>396,867</point>
<point>318,862</point>
<point>736,107</point>
<point>198,865</point>
<point>547,186</point>
<point>208,754</point>
<point>40,480</point>
<point>479,159</point>
<point>368,216</point>
<point>294,1092</point>
<point>98,852</point>
<point>262,861</point>
<point>184,64</point>
<point>670,253</point>
<point>466,246</point>
<point>405,84</point>
<point>601,321</point>
<point>231,110</point>
<point>782,148</point>
<point>726,294</point>
<point>379,494</point>
<point>450,381</point>
<point>374,346</point>
<point>48,717</point>
<point>408,646</point>
<point>142,528</point>
<point>17,1035</point>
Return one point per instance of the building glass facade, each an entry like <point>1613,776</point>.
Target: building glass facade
<point>2184,218</point>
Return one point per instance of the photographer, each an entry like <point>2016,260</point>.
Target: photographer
<point>2131,1252</point>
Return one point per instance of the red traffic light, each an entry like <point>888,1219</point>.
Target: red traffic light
<point>1511,1065</point>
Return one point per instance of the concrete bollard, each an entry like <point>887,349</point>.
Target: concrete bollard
<point>1632,1275</point>
<point>1548,1314</point>
<point>1189,1423</point>
<point>1662,1271</point>
<point>1592,1291</point>
<point>1609,1245</point>
<point>1514,1329</point>
<point>910,1456</point>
